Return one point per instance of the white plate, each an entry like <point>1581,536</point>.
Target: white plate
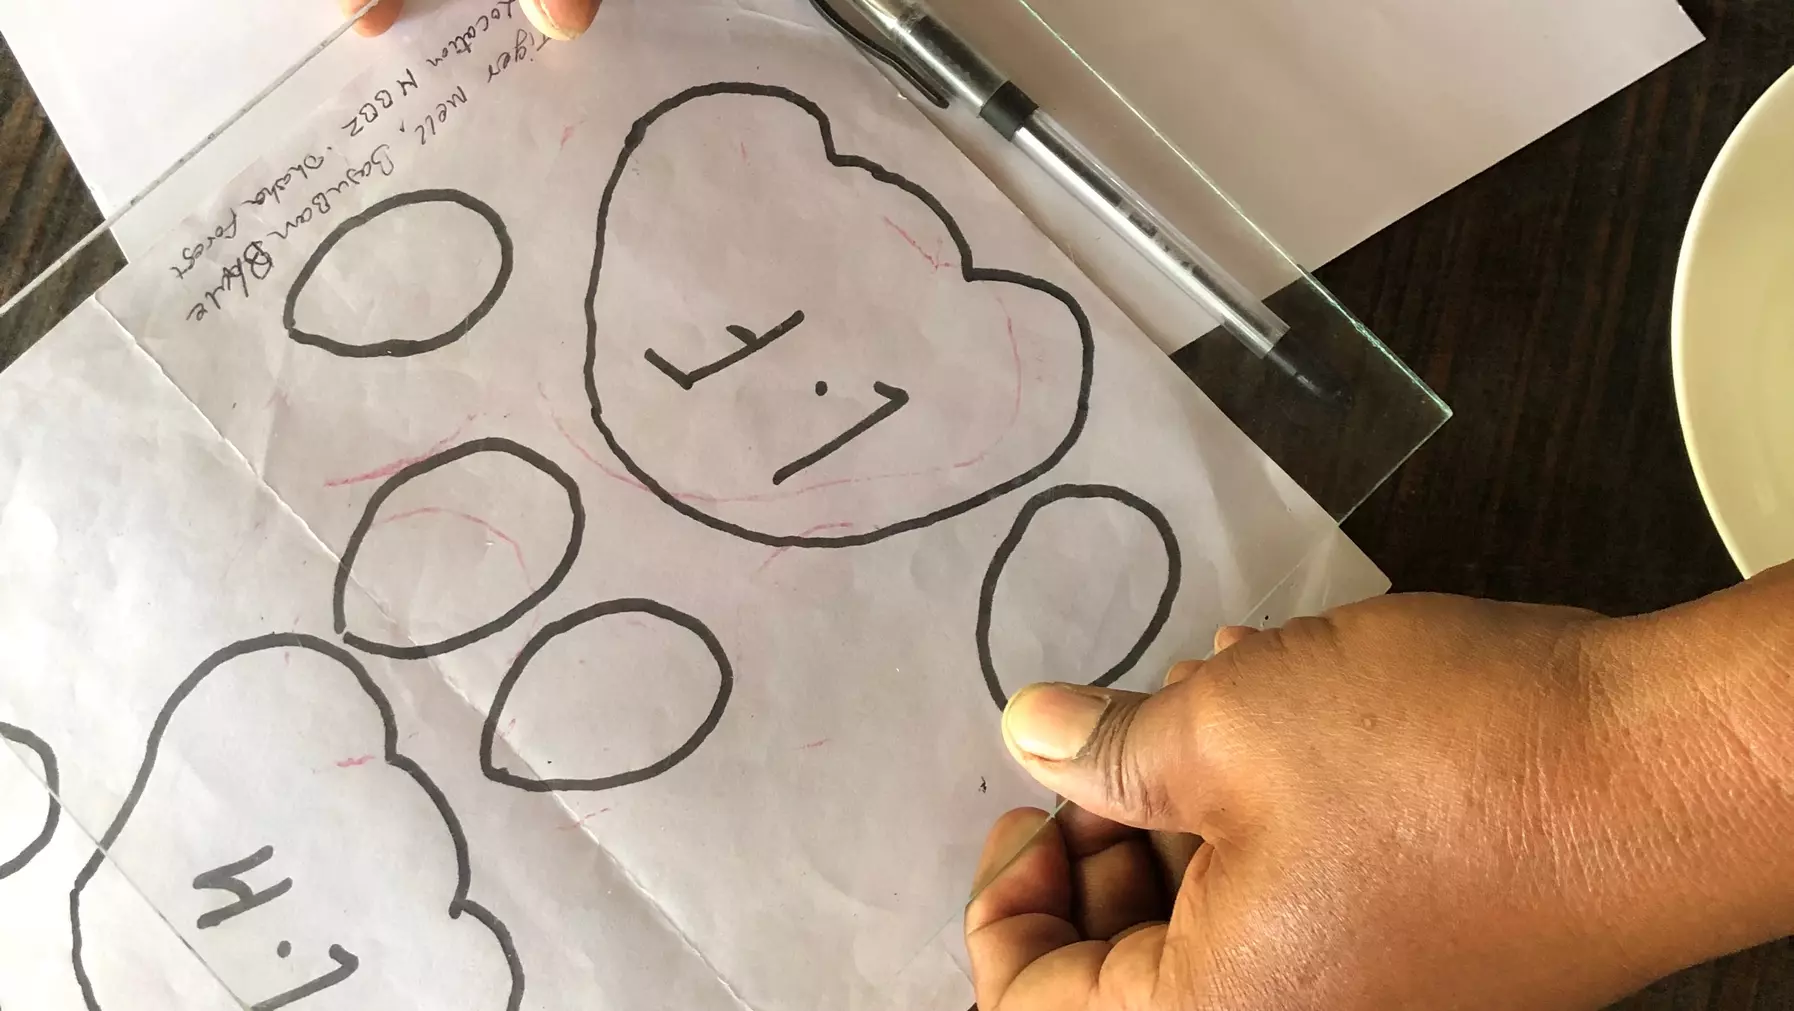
<point>1732,336</point>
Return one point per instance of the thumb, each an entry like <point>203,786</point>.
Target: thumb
<point>378,17</point>
<point>561,19</point>
<point>1123,756</point>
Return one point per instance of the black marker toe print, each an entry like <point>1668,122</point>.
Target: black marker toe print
<point>346,964</point>
<point>894,400</point>
<point>244,897</point>
<point>750,343</point>
<point>368,303</point>
<point>614,694</point>
<point>229,878</point>
<point>31,809</point>
<point>1079,557</point>
<point>282,924</point>
<point>461,545</point>
<point>793,413</point>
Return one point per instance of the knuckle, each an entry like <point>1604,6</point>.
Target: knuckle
<point>1127,782</point>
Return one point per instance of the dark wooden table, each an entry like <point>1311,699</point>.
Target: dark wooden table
<point>1534,298</point>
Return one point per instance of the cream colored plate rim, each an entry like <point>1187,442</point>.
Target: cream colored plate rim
<point>1777,100</point>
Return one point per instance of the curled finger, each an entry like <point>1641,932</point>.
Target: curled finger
<point>1022,909</point>
<point>378,17</point>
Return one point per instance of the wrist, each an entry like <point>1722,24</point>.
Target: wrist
<point>1692,791</point>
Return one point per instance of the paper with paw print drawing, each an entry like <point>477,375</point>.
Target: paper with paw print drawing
<point>559,533</point>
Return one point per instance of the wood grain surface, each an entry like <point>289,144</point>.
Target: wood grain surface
<point>1535,299</point>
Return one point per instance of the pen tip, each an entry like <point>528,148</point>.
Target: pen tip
<point>1314,376</point>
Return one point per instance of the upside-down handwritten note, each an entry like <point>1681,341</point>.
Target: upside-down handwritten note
<point>559,534</point>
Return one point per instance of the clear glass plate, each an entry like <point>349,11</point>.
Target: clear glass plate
<point>1338,449</point>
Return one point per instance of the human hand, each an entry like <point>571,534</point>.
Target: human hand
<point>557,19</point>
<point>1416,802</point>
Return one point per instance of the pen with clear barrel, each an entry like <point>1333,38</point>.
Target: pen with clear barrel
<point>936,54</point>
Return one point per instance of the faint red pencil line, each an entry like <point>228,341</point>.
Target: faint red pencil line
<point>818,528</point>
<point>567,132</point>
<point>934,259</point>
<point>813,744</point>
<point>535,625</point>
<point>350,763</point>
<point>744,156</point>
<point>580,448</point>
<point>398,465</point>
<point>516,549</point>
<point>581,822</point>
<point>1015,410</point>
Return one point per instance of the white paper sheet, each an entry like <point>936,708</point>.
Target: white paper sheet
<point>631,633</point>
<point>1327,121</point>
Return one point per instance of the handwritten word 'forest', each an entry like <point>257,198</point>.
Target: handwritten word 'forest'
<point>192,254</point>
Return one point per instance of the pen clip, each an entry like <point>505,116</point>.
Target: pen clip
<point>930,89</point>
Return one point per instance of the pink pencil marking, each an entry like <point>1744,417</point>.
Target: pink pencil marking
<point>581,822</point>
<point>818,528</point>
<point>567,132</point>
<point>350,763</point>
<point>516,549</point>
<point>934,259</point>
<point>397,465</point>
<point>1015,409</point>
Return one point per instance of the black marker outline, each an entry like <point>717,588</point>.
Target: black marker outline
<point>228,878</point>
<point>491,444</point>
<point>987,593</point>
<point>458,904</point>
<point>896,398</point>
<point>627,605</point>
<point>46,757</point>
<point>751,343</point>
<point>638,133</point>
<point>397,347</point>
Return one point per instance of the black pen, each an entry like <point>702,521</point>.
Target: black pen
<point>935,54</point>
